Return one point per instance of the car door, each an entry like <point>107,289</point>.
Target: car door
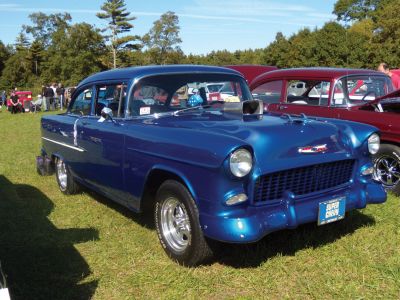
<point>66,133</point>
<point>103,141</point>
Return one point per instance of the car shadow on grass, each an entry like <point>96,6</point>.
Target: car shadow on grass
<point>144,219</point>
<point>40,260</point>
<point>288,242</point>
<point>285,242</point>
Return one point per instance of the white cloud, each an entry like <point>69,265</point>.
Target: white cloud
<point>16,8</point>
<point>321,16</point>
<point>244,19</point>
<point>245,7</point>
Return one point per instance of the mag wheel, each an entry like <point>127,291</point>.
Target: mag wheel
<point>178,227</point>
<point>65,181</point>
<point>387,167</point>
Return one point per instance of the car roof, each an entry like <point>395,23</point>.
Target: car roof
<point>305,73</point>
<point>252,71</point>
<point>144,71</point>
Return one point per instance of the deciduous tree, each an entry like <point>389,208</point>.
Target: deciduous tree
<point>45,25</point>
<point>163,38</point>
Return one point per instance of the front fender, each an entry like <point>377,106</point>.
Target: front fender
<point>175,174</point>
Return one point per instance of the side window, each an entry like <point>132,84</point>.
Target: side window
<point>338,94</point>
<point>147,99</point>
<point>82,103</point>
<point>112,96</point>
<point>308,92</point>
<point>269,92</point>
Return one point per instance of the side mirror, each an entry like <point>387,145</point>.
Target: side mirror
<point>255,107</point>
<point>245,108</point>
<point>106,113</point>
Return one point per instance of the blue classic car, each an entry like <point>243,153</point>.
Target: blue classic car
<point>211,170</point>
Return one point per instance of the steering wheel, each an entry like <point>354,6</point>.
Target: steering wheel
<point>367,94</point>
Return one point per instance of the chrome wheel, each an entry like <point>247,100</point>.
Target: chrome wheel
<point>62,174</point>
<point>175,224</point>
<point>387,170</point>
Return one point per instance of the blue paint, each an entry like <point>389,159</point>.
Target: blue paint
<point>195,145</point>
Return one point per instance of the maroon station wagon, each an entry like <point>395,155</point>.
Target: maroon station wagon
<point>348,94</point>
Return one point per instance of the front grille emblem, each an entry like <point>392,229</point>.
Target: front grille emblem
<point>313,149</point>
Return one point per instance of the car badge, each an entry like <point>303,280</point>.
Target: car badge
<point>313,149</point>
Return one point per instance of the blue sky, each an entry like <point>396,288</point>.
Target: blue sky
<point>206,25</point>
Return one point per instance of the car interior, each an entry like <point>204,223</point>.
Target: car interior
<point>308,92</point>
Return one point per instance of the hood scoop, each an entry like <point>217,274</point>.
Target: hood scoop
<point>301,119</point>
<point>245,110</point>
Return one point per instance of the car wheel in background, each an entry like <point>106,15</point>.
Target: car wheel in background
<point>65,181</point>
<point>178,226</point>
<point>387,167</point>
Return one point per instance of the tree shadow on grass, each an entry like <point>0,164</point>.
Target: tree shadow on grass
<point>288,242</point>
<point>39,259</point>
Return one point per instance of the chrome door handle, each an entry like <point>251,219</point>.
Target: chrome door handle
<point>283,107</point>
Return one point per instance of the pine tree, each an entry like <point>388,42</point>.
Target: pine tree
<point>115,11</point>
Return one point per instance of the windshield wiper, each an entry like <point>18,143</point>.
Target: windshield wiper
<point>176,113</point>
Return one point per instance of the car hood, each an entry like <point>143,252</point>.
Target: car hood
<point>278,142</point>
<point>395,94</point>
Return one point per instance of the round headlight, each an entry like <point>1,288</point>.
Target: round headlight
<point>240,162</point>
<point>373,143</point>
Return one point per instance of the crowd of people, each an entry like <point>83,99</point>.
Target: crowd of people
<point>53,96</point>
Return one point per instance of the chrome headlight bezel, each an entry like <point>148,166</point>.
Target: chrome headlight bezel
<point>240,162</point>
<point>374,143</point>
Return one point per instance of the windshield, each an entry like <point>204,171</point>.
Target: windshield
<point>214,87</point>
<point>356,90</point>
<point>172,93</point>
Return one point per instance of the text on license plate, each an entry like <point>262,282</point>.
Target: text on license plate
<point>332,210</point>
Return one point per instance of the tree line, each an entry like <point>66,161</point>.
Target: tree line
<point>52,49</point>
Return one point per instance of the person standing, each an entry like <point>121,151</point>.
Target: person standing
<point>3,98</point>
<point>48,95</point>
<point>55,98</point>
<point>384,68</point>
<point>60,91</point>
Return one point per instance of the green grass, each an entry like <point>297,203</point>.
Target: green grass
<point>54,246</point>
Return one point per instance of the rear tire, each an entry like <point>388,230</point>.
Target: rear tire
<point>65,181</point>
<point>387,167</point>
<point>178,227</point>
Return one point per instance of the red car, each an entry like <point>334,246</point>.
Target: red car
<point>24,97</point>
<point>350,94</point>
<point>252,71</point>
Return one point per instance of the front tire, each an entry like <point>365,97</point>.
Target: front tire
<point>65,181</point>
<point>387,167</point>
<point>178,226</point>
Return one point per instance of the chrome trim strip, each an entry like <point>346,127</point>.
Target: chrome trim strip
<point>65,145</point>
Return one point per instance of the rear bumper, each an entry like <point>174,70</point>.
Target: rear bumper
<point>44,164</point>
<point>247,223</point>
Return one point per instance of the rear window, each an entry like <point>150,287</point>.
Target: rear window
<point>269,92</point>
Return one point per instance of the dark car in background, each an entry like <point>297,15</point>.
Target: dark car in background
<point>348,94</point>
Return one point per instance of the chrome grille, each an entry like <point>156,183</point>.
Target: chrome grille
<point>303,181</point>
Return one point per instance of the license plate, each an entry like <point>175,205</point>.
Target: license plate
<point>332,210</point>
